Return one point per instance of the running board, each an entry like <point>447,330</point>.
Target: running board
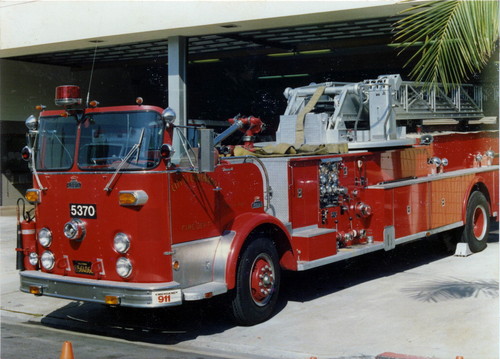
<point>342,253</point>
<point>360,249</point>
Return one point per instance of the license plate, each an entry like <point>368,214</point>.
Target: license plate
<point>83,267</point>
<point>167,296</point>
<point>78,210</point>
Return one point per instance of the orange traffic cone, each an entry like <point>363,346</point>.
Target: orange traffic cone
<point>67,351</point>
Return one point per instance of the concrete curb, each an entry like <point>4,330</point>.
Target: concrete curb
<point>389,355</point>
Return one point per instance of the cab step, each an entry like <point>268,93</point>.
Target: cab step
<point>312,243</point>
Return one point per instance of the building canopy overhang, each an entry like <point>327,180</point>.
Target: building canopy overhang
<point>66,33</point>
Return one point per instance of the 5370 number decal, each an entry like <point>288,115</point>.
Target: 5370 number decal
<point>77,210</point>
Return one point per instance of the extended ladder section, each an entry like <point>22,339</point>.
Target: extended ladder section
<point>414,102</point>
<point>372,113</point>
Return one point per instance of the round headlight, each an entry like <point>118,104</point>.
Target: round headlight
<point>123,267</point>
<point>45,237</point>
<point>74,229</point>
<point>121,243</point>
<point>33,258</point>
<point>47,260</point>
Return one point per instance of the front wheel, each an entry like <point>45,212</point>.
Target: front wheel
<point>257,283</point>
<point>477,222</point>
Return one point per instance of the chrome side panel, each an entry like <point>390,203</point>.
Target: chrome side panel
<point>277,167</point>
<point>389,238</point>
<point>202,261</point>
<point>221,255</point>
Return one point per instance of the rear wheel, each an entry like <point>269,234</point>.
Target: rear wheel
<point>257,283</point>
<point>477,223</point>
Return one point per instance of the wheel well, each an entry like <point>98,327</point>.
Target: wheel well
<point>280,240</point>
<point>476,187</point>
<point>481,187</point>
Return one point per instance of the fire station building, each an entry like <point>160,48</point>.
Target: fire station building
<point>208,60</point>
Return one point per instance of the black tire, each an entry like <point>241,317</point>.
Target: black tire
<point>257,283</point>
<point>477,222</point>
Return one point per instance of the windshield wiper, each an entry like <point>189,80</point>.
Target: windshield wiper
<point>134,148</point>
<point>53,133</point>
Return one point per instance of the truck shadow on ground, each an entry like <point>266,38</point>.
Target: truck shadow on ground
<point>192,320</point>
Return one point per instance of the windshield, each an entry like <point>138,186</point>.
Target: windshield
<point>107,139</point>
<point>56,143</point>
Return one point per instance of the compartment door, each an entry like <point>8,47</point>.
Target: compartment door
<point>303,193</point>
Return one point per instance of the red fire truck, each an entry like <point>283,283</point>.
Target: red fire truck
<point>129,213</point>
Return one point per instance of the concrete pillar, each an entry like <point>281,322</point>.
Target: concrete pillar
<point>177,64</point>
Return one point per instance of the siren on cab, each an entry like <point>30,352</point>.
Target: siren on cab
<point>68,95</point>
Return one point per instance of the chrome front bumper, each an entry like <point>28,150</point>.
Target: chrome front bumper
<point>139,295</point>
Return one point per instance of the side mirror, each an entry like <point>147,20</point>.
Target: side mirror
<point>206,157</point>
<point>168,116</point>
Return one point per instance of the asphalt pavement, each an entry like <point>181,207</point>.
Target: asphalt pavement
<point>416,300</point>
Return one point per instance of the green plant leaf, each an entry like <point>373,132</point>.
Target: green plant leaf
<point>452,39</point>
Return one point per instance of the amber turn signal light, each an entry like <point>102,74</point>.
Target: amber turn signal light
<point>33,195</point>
<point>132,198</point>
<point>112,300</point>
<point>36,289</point>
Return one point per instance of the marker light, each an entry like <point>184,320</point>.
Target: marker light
<point>176,265</point>
<point>33,258</point>
<point>166,151</point>
<point>112,300</point>
<point>121,243</point>
<point>93,103</point>
<point>68,95</point>
<point>132,198</point>
<point>26,153</point>
<point>123,267</point>
<point>490,154</point>
<point>48,260</point>
<point>36,289</point>
<point>45,237</point>
<point>434,161</point>
<point>139,101</point>
<point>33,195</point>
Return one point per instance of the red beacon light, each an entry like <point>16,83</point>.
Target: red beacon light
<point>68,95</point>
